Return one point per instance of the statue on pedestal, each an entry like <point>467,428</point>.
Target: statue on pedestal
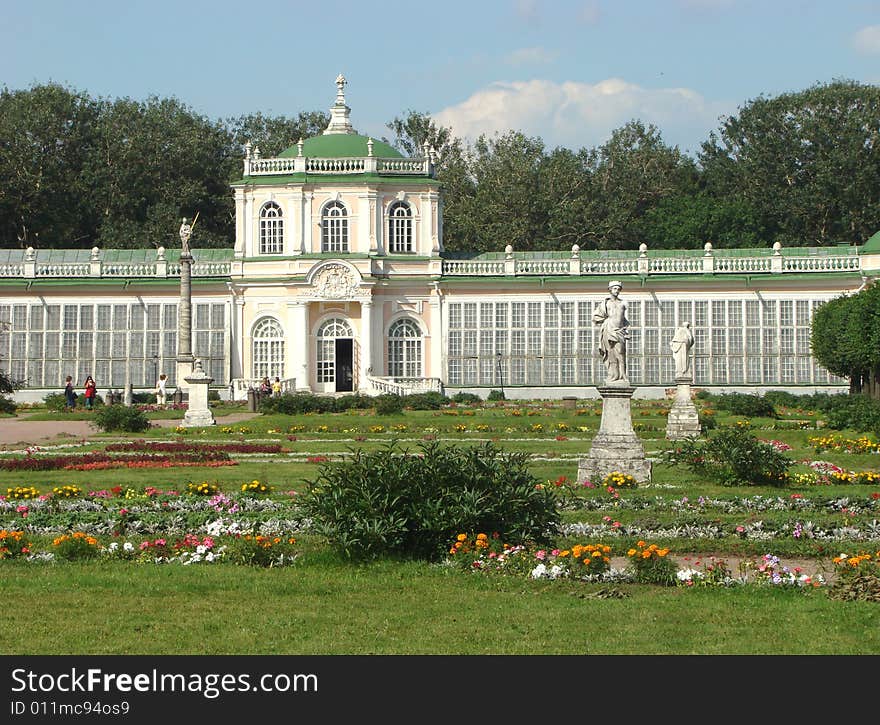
<point>610,315</point>
<point>185,234</point>
<point>681,344</point>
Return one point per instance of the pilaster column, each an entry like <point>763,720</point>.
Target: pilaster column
<point>366,342</point>
<point>435,336</point>
<point>298,343</point>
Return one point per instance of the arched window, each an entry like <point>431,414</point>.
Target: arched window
<point>400,228</point>
<point>404,349</point>
<point>328,333</point>
<point>271,229</point>
<point>268,349</point>
<point>334,228</point>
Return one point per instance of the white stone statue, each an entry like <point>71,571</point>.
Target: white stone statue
<point>681,344</point>
<point>610,315</point>
<point>185,234</point>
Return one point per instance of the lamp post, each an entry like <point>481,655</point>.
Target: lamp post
<point>500,372</point>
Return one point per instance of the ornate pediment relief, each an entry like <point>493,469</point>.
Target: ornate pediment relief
<point>335,281</point>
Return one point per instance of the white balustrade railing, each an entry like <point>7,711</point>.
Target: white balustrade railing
<point>404,386</point>
<point>336,166</point>
<point>609,266</point>
<point>470,267</point>
<point>675,265</point>
<point>70,269</point>
<point>739,265</point>
<point>541,266</point>
<point>403,166</point>
<point>262,167</point>
<point>128,269</point>
<point>835,263</point>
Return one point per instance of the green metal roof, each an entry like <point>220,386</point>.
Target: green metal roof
<point>341,145</point>
<point>112,256</point>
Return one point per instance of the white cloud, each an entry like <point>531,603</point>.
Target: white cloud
<point>531,56</point>
<point>867,40</point>
<point>582,115</point>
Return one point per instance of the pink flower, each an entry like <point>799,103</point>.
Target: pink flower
<point>540,554</point>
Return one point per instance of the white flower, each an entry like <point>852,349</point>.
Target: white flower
<point>539,571</point>
<point>128,546</point>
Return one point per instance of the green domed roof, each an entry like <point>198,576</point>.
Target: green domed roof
<point>341,145</point>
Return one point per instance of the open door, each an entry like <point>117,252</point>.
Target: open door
<point>344,365</point>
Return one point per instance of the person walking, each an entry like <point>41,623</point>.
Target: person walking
<point>91,390</point>
<point>161,392</point>
<point>276,388</point>
<point>69,392</point>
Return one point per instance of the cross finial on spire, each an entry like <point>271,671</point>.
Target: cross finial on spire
<point>339,121</point>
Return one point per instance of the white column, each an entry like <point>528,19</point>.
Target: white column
<point>435,331</point>
<point>240,221</point>
<point>366,342</point>
<point>293,230</point>
<point>298,343</point>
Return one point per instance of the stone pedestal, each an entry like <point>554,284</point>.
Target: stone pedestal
<point>616,447</point>
<point>683,420</point>
<point>198,414</point>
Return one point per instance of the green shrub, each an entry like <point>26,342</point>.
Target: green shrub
<point>782,398</point>
<point>7,405</point>
<point>751,406</point>
<point>852,412</point>
<point>55,402</point>
<point>425,401</point>
<point>355,401</point>
<point>389,404</point>
<point>389,502</point>
<point>298,404</point>
<point>121,418</point>
<point>734,457</point>
<point>466,398</point>
<point>496,395</point>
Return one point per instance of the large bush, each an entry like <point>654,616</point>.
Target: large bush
<point>425,401</point>
<point>751,406</point>
<point>390,502</point>
<point>298,404</point>
<point>734,457</point>
<point>121,418</point>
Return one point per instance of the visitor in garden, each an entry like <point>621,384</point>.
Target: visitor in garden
<point>69,392</point>
<point>161,393</point>
<point>91,390</point>
<point>265,388</point>
<point>276,387</point>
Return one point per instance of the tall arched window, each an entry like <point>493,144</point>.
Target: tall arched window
<point>328,333</point>
<point>271,229</point>
<point>400,228</point>
<point>334,228</point>
<point>405,349</point>
<point>268,349</point>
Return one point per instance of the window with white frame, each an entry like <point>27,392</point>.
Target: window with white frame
<point>329,331</point>
<point>400,228</point>
<point>268,349</point>
<point>334,228</point>
<point>271,229</point>
<point>404,349</point>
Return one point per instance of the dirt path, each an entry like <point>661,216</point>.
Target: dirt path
<point>21,431</point>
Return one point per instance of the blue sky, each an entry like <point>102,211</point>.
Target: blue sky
<point>567,71</point>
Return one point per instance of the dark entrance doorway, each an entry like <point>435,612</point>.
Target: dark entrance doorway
<point>344,369</point>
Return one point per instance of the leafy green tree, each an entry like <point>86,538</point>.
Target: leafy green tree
<point>45,138</point>
<point>845,338</point>
<point>274,134</point>
<point>155,162</point>
<point>807,162</point>
<point>633,172</point>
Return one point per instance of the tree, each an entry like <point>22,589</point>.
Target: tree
<point>274,134</point>
<point>45,138</point>
<point>633,172</point>
<point>845,338</point>
<point>808,163</point>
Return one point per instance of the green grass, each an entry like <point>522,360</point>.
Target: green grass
<point>329,607</point>
<point>322,605</point>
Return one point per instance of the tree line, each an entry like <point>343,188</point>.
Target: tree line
<point>801,168</point>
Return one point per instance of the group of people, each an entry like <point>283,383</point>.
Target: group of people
<point>270,388</point>
<point>90,391</point>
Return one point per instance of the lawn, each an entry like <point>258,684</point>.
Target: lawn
<point>320,603</point>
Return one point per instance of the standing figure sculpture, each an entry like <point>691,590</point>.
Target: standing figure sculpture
<point>185,234</point>
<point>610,314</point>
<point>681,344</point>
